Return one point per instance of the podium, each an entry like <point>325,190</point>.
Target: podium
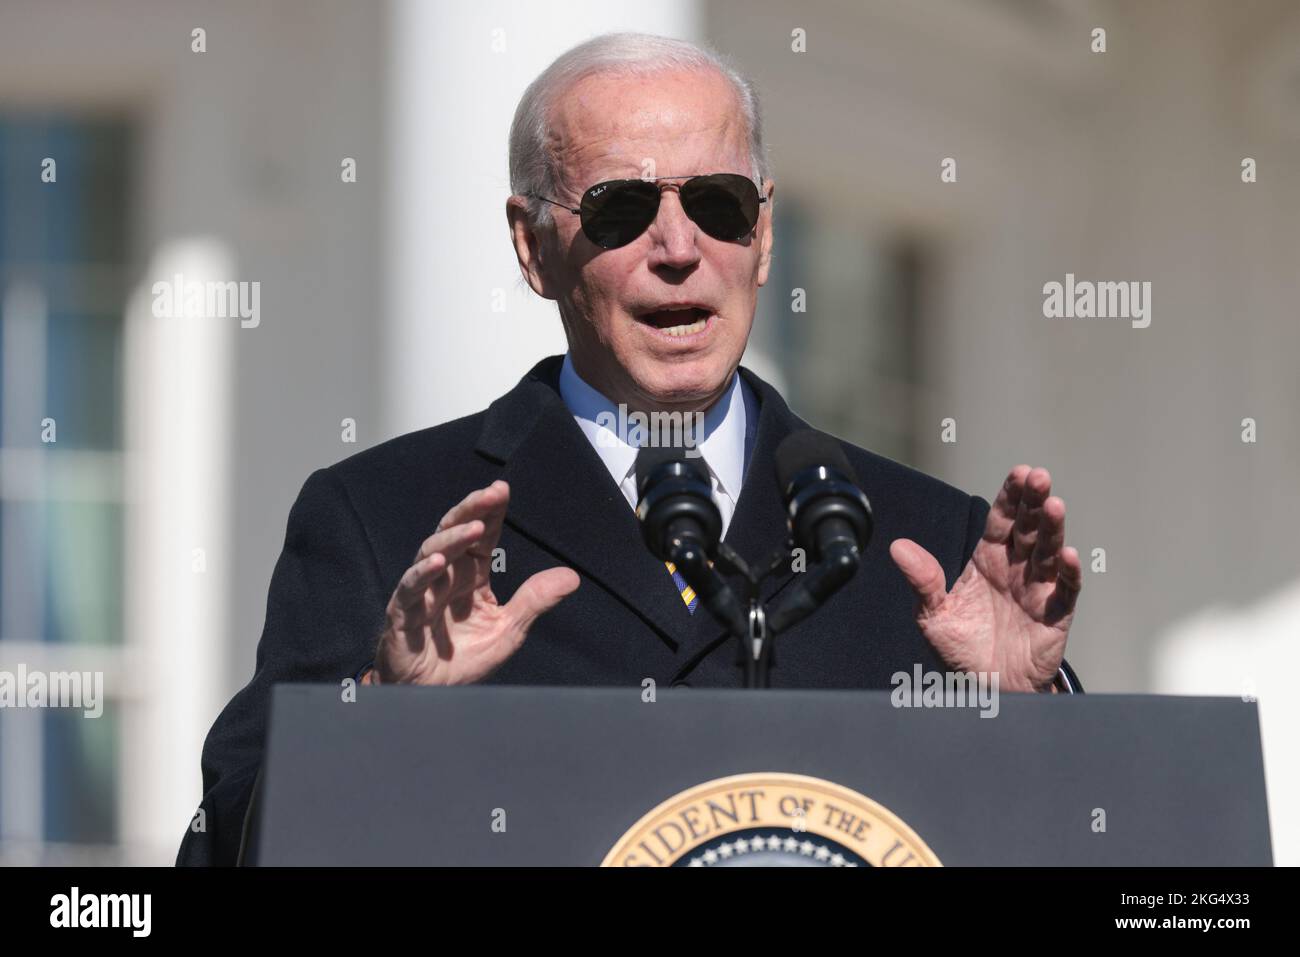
<point>692,777</point>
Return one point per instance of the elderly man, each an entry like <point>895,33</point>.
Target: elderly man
<point>643,207</point>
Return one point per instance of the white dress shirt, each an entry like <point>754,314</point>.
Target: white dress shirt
<point>726,442</point>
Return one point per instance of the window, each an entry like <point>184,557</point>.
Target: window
<point>850,358</point>
<point>63,281</point>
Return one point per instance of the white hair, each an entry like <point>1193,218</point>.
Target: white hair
<point>532,169</point>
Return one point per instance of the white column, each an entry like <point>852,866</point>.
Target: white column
<point>178,406</point>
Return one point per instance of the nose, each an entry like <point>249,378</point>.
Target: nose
<point>673,234</point>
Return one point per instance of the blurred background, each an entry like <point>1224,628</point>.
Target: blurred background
<point>140,543</point>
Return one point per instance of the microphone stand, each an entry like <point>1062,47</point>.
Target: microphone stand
<point>755,651</point>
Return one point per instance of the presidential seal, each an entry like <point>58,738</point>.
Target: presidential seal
<point>770,820</point>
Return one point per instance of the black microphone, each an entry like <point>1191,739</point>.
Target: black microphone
<point>829,518</point>
<point>681,524</point>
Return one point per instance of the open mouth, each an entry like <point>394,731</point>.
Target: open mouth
<point>677,322</point>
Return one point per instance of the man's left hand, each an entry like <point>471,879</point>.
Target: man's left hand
<point>1011,609</point>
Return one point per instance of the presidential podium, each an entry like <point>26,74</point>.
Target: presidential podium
<point>692,777</point>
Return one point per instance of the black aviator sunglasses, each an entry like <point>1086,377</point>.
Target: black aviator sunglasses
<point>613,213</point>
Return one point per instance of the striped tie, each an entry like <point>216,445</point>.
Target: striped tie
<point>688,593</point>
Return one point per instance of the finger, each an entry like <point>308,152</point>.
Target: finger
<point>465,572</point>
<point>922,571</point>
<point>1002,516</point>
<point>455,542</point>
<point>494,511</point>
<point>1038,486</point>
<point>1069,582</point>
<point>538,595</point>
<point>410,589</point>
<point>485,505</point>
<point>410,592</point>
<point>447,537</point>
<point>1045,558</point>
<point>479,504</point>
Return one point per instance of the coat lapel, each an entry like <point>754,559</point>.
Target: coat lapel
<point>563,497</point>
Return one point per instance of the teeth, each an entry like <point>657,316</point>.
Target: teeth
<point>689,329</point>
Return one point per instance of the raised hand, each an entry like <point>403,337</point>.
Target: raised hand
<point>1010,610</point>
<point>445,626</point>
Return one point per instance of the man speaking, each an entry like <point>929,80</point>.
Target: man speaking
<point>504,547</point>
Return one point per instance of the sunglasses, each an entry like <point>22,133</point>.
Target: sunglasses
<point>613,213</point>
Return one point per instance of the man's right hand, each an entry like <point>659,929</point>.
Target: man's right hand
<point>445,626</point>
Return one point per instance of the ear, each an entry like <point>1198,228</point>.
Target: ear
<point>765,234</point>
<point>529,245</point>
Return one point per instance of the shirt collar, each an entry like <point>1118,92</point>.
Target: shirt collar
<point>725,428</point>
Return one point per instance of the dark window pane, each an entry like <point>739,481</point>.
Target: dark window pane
<point>81,760</point>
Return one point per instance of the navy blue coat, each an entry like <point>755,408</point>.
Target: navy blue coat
<point>356,526</point>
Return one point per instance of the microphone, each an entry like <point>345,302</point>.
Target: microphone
<point>681,524</point>
<point>829,518</point>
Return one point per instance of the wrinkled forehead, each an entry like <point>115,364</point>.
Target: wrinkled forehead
<point>673,123</point>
